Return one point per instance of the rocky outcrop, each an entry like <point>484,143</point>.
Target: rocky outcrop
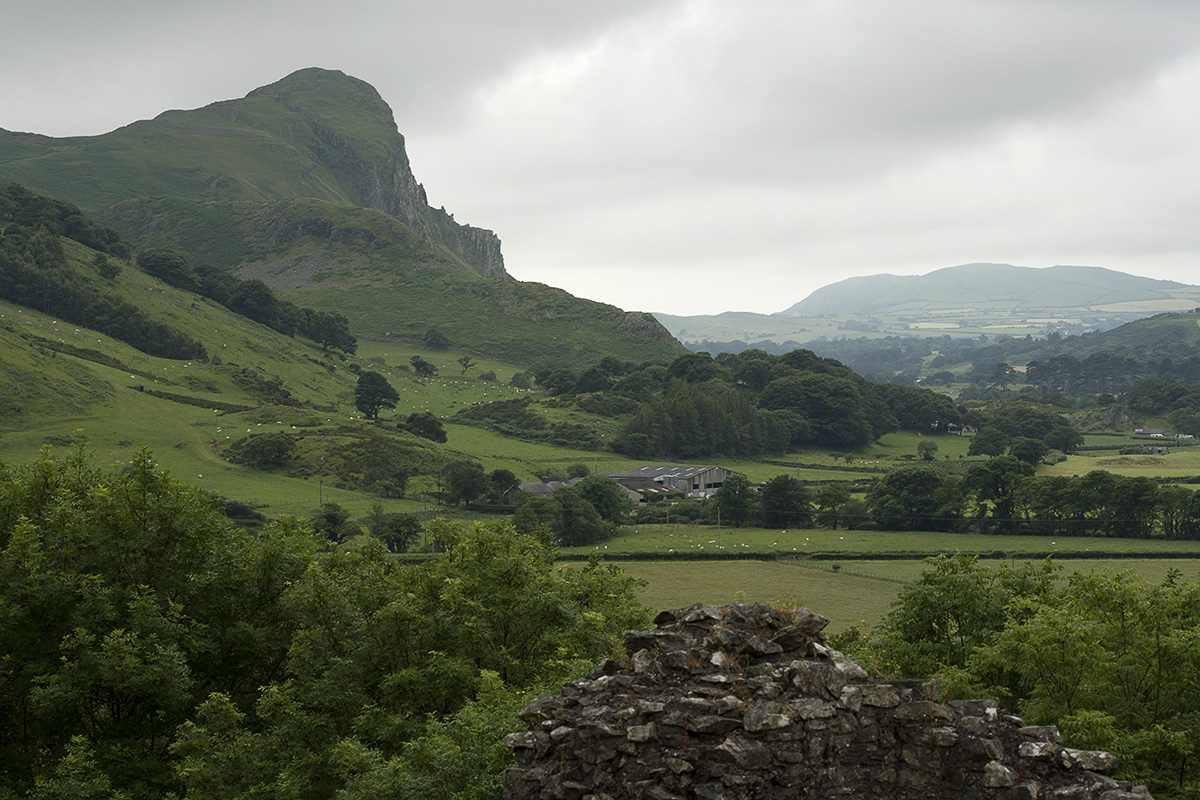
<point>643,324</point>
<point>380,172</point>
<point>740,702</point>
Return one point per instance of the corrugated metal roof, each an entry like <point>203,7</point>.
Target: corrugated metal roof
<point>662,470</point>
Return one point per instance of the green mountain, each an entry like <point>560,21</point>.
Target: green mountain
<point>306,185</point>
<point>991,286</point>
<point>963,301</point>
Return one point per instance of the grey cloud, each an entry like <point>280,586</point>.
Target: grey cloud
<point>787,142</point>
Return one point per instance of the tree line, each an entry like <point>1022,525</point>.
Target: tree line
<point>1080,366</point>
<point>738,405</point>
<point>999,495</point>
<point>252,299</point>
<point>36,272</point>
<point>1002,495</point>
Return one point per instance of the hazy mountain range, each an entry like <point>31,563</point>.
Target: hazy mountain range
<point>982,285</point>
<point>964,300</point>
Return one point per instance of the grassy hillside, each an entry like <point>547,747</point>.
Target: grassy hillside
<point>269,145</point>
<point>306,185</point>
<point>1000,286</point>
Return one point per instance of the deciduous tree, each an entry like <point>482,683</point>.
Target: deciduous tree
<point>373,393</point>
<point>786,503</point>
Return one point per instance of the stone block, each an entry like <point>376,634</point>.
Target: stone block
<point>879,695</point>
<point>745,752</point>
<point>999,776</point>
<point>1041,733</point>
<point>766,716</point>
<point>1039,751</point>
<point>641,733</point>
<point>1093,760</point>
<point>712,723</point>
<point>812,708</point>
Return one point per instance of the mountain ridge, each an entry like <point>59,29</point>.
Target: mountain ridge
<point>1035,287</point>
<point>315,133</point>
<point>306,185</point>
<point>965,300</point>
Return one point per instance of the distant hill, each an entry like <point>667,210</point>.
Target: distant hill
<point>306,185</point>
<point>991,285</point>
<point>964,301</point>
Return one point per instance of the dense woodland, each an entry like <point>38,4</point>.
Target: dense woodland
<point>1109,658</point>
<point>152,647</point>
<point>743,405</point>
<point>1092,363</point>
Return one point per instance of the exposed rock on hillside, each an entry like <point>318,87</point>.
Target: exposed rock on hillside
<point>743,702</point>
<point>382,177</point>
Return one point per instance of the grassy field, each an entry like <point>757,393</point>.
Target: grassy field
<point>708,541</point>
<point>847,598</point>
<point>852,577</point>
<point>1180,462</point>
<point>858,593</point>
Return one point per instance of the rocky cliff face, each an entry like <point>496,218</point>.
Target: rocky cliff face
<point>744,702</point>
<point>381,175</point>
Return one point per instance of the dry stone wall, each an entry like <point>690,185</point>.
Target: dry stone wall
<point>741,702</point>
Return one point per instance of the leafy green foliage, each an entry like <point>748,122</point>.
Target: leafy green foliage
<point>610,500</point>
<point>263,450</point>
<point>31,210</point>
<point>500,482</point>
<point>170,268</point>
<point>753,403</point>
<point>423,367</point>
<point>378,463</point>
<point>786,503</point>
<point>426,425</point>
<point>152,648</point>
<point>373,393</point>
<point>565,517</point>
<point>127,596</point>
<point>464,481</point>
<point>735,501</point>
<point>396,530</point>
<point>35,272</point>
<point>1108,657</point>
<point>517,418</point>
<point>333,522</point>
<point>910,499</point>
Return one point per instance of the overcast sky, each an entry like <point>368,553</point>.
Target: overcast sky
<point>693,156</point>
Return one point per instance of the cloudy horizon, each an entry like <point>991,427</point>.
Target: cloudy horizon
<point>691,156</point>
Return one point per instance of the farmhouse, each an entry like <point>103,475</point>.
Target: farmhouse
<point>691,481</point>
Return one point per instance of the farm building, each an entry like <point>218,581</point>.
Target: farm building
<point>692,481</point>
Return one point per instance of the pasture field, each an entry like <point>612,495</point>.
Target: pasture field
<point>859,594</point>
<point>1180,462</point>
<point>851,577</point>
<point>709,541</point>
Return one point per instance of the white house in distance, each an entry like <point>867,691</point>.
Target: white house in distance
<point>691,481</point>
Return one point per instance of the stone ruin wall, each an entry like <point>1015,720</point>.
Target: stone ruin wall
<point>748,702</point>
